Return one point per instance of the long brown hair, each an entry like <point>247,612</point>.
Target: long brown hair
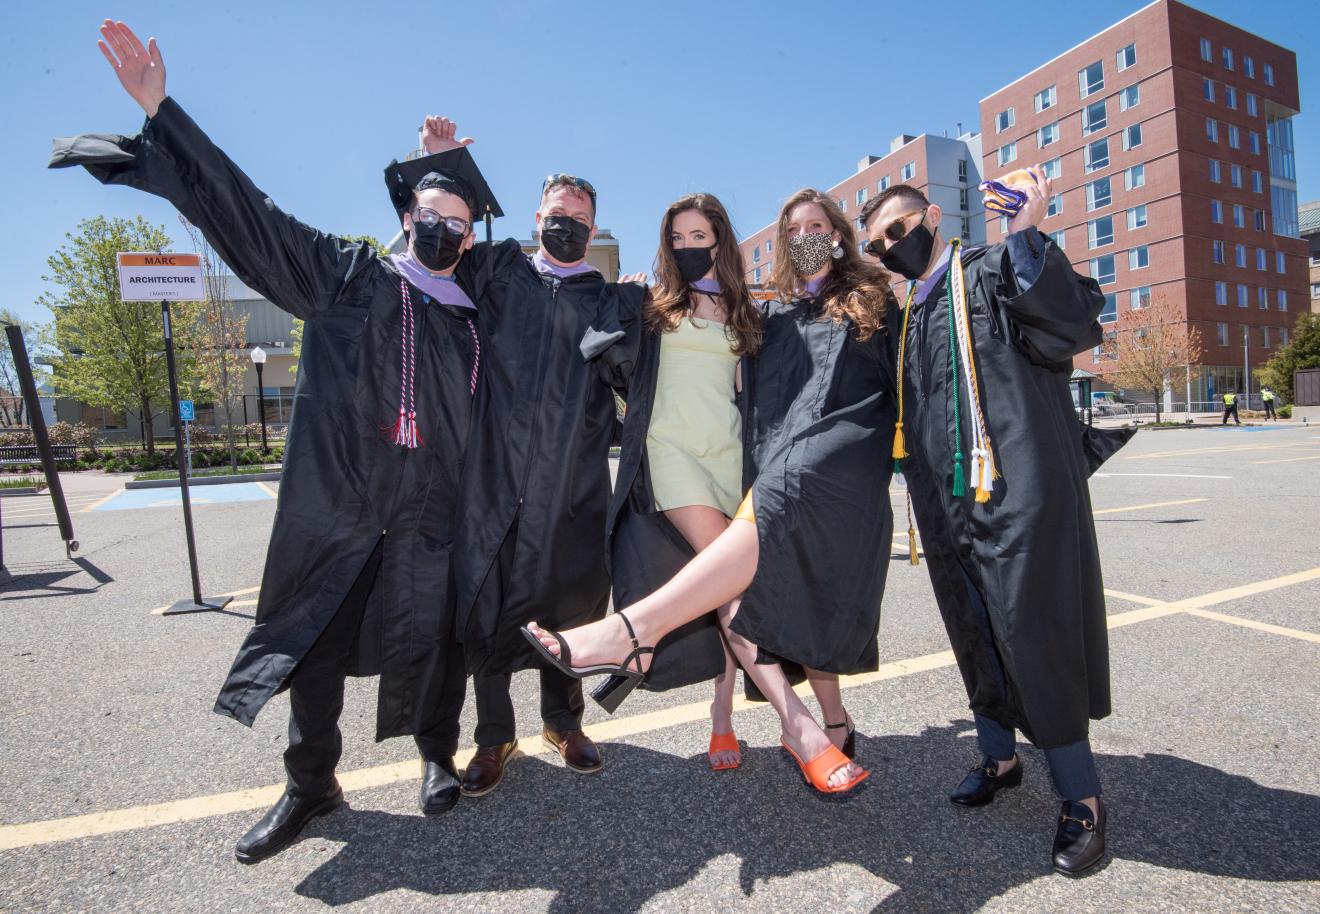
<point>670,299</point>
<point>853,288</point>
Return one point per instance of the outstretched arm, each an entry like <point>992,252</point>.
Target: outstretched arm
<point>296,267</point>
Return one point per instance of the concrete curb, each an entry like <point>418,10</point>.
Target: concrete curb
<point>202,481</point>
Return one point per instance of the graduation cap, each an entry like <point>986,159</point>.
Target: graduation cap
<point>453,171</point>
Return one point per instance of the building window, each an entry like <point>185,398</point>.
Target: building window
<point>966,230</point>
<point>1129,98</point>
<point>1216,215</point>
<point>1240,255</point>
<point>1263,298</point>
<point>1239,216</point>
<point>1212,130</point>
<point>1134,176</point>
<point>1221,333</point>
<point>1234,139</point>
<point>1139,258</point>
<point>1003,224</point>
<point>962,170</point>
<point>1206,53</point>
<point>1061,236</point>
<point>1280,266</point>
<point>1094,117</point>
<point>1228,58</point>
<point>1221,293</point>
<point>769,245</point>
<point>1268,72</point>
<point>1004,119</point>
<point>1047,135</point>
<point>1100,232</point>
<point>1242,296</point>
<point>1216,174</point>
<point>1251,105</point>
<point>1046,98</point>
<point>1136,217</point>
<point>1109,313</point>
<point>1253,142</point>
<point>1257,183</point>
<point>843,205</point>
<point>861,224</point>
<point>861,195</point>
<point>1208,89</point>
<point>1053,168</point>
<point>1127,57</point>
<point>1096,155</point>
<point>1098,194</point>
<point>1217,251</point>
<point>962,199</point>
<point>1132,137</point>
<point>908,172</point>
<point>1102,269</point>
<point>1056,205</point>
<point>1262,262</point>
<point>1248,68</point>
<point>1283,336</point>
<point>1283,299</point>
<point>1007,153</point>
<point>756,254</point>
<point>1235,175</point>
<point>756,275</point>
<point>1230,97</point>
<point>1264,336</point>
<point>1092,79</point>
<point>1260,220</point>
<point>882,184</point>
<point>1140,298</point>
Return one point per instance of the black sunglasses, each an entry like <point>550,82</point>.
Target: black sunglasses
<point>581,184</point>
<point>894,232</point>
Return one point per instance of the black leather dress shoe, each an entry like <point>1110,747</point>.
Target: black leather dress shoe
<point>983,781</point>
<point>285,821</point>
<point>440,790</point>
<point>1079,843</point>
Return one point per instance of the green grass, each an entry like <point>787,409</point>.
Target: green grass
<point>38,481</point>
<point>209,471</point>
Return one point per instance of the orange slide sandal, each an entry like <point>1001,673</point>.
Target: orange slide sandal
<point>817,771</point>
<point>723,742</point>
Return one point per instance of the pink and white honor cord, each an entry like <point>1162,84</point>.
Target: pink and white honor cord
<point>404,431</point>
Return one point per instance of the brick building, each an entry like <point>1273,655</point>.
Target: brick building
<point>1168,137</point>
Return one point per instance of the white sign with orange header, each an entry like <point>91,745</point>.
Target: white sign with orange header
<point>155,277</point>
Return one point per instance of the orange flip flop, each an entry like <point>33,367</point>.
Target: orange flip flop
<point>723,742</point>
<point>817,771</point>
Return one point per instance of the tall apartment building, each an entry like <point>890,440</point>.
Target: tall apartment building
<point>1308,223</point>
<point>1169,141</point>
<point>947,170</point>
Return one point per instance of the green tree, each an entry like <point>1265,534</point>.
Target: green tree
<point>381,251</point>
<point>105,351</point>
<point>1302,351</point>
<point>13,412</point>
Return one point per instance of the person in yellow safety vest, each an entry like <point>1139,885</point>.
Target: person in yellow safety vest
<point>1268,396</point>
<point>1230,408</point>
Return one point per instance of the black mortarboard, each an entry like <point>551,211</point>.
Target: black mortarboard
<point>453,171</point>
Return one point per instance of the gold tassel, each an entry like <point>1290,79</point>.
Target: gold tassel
<point>912,547</point>
<point>900,443</point>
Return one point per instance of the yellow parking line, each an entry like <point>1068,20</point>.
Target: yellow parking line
<point>52,831</point>
<point>1132,598</point>
<point>160,610</point>
<point>267,489</point>
<point>1220,449</point>
<point>96,504</point>
<point>1153,504</point>
<point>1288,459</point>
<point>1258,626</point>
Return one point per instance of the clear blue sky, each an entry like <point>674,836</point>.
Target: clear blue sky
<point>749,101</point>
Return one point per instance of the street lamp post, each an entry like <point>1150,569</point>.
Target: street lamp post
<point>1246,364</point>
<point>259,360</point>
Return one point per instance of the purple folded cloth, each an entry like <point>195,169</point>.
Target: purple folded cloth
<point>1002,199</point>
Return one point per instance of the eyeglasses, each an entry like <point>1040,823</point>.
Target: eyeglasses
<point>430,218</point>
<point>894,232</point>
<point>581,184</point>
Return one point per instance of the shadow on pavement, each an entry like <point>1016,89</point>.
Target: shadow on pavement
<point>652,821</point>
<point>43,579</point>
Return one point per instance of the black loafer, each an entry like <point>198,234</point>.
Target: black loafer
<point>440,789</point>
<point>1079,843</point>
<point>283,823</point>
<point>983,781</point>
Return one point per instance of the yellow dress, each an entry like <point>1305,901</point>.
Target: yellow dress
<point>694,443</point>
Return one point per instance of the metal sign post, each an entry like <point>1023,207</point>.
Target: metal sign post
<point>161,277</point>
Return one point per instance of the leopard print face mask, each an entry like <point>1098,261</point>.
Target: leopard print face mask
<point>810,252</point>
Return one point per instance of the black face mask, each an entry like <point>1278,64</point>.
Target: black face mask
<point>564,239</point>
<point>435,246</point>
<point>910,255</point>
<point>694,263</point>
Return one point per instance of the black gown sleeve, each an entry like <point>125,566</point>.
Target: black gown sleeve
<point>298,268</point>
<point>1054,319</point>
<point>614,337</point>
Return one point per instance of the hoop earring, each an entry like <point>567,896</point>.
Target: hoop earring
<point>837,253</point>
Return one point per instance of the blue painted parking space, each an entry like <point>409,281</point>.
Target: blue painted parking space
<point>128,500</point>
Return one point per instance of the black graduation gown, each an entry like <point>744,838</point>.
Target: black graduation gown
<point>536,482</point>
<point>644,549</point>
<point>820,435</point>
<point>344,484</point>
<point>1031,550</point>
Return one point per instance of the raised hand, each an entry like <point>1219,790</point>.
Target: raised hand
<point>1038,202</point>
<point>438,135</point>
<point>633,277</point>
<point>141,71</point>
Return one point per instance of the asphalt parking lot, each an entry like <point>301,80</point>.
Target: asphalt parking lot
<point>123,791</point>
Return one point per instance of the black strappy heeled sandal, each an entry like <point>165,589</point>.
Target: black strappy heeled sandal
<point>849,747</point>
<point>622,677</point>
